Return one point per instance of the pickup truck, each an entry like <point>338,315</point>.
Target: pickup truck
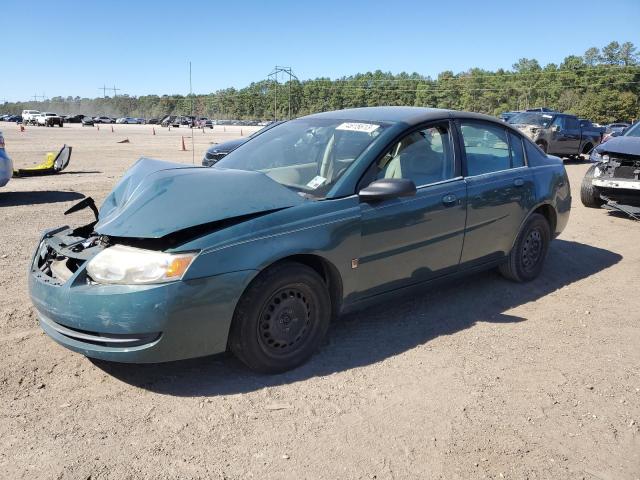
<point>49,119</point>
<point>558,133</point>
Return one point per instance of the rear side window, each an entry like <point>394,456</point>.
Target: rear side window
<point>517,150</point>
<point>486,148</point>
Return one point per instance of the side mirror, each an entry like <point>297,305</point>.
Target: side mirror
<point>387,188</point>
<point>555,128</point>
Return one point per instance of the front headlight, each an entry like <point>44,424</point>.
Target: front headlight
<point>134,266</point>
<point>595,156</point>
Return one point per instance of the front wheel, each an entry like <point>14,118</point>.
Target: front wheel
<point>525,261</point>
<point>590,194</point>
<point>281,318</point>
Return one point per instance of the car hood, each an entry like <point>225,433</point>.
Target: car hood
<point>620,145</point>
<point>156,198</point>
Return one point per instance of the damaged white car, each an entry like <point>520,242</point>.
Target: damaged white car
<point>613,181</point>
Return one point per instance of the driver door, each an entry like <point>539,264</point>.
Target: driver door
<point>412,239</point>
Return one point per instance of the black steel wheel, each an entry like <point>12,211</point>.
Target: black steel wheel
<point>281,318</point>
<point>526,259</point>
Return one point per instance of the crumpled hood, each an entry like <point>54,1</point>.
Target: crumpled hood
<point>155,198</point>
<point>621,145</point>
<point>530,131</point>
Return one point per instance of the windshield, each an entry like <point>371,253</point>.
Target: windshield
<point>541,120</point>
<point>633,131</point>
<point>308,155</point>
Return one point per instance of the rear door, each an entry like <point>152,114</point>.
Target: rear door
<point>413,239</point>
<point>500,190</point>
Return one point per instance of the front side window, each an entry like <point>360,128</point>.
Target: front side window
<point>486,148</point>
<point>308,155</point>
<point>425,157</point>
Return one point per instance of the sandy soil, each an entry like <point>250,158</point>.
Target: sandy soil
<point>481,379</point>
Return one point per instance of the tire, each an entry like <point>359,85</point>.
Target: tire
<point>543,146</point>
<point>589,194</point>
<point>281,318</point>
<point>525,261</point>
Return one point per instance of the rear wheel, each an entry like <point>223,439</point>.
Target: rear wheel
<point>590,194</point>
<point>281,318</point>
<point>525,261</point>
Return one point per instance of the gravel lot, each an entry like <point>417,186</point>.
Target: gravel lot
<point>478,379</point>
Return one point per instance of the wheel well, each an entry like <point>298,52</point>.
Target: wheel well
<point>327,271</point>
<point>549,213</point>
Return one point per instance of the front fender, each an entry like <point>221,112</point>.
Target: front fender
<point>334,237</point>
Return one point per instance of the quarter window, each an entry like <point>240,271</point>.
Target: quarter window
<point>517,151</point>
<point>424,157</point>
<point>486,148</point>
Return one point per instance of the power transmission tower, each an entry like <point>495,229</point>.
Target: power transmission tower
<point>115,90</point>
<point>104,90</point>
<point>36,97</point>
<point>287,71</point>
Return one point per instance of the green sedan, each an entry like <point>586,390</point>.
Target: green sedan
<point>317,216</point>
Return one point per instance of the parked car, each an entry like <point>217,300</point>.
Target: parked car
<point>557,133</point>
<point>6,166</point>
<point>613,181</point>
<point>103,120</point>
<point>12,118</point>
<point>215,153</point>
<point>29,116</point>
<point>167,121</point>
<point>507,115</point>
<point>74,119</point>
<point>616,127</point>
<point>586,124</point>
<point>316,216</point>
<point>153,121</point>
<point>129,120</point>
<point>49,119</point>
<point>88,122</point>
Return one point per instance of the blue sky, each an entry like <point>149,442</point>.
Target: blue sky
<point>142,47</point>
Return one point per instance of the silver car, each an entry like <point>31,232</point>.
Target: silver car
<point>6,165</point>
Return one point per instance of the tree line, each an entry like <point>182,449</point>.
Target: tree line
<point>602,85</point>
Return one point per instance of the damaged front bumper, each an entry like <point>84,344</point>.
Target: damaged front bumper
<point>618,181</point>
<point>128,323</point>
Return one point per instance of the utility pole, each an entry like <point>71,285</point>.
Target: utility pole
<point>104,90</point>
<point>115,90</point>
<point>36,97</point>
<point>288,71</point>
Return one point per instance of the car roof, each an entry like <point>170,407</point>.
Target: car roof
<point>407,115</point>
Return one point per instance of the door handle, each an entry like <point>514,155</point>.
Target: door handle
<point>449,199</point>
<point>518,182</point>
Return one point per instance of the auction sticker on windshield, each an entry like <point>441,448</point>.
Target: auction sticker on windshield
<point>358,127</point>
<point>316,182</point>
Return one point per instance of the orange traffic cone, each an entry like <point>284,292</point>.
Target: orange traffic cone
<point>184,148</point>
<point>21,128</point>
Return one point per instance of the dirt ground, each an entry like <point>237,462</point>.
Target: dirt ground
<point>479,379</point>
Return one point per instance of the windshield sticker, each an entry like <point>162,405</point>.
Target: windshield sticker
<point>358,127</point>
<point>316,182</point>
